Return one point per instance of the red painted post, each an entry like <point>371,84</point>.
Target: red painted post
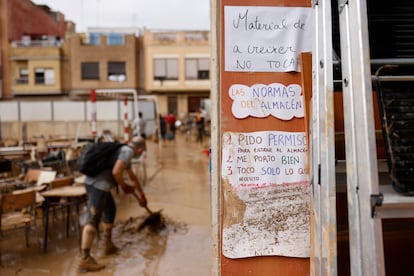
<point>126,123</point>
<point>93,114</point>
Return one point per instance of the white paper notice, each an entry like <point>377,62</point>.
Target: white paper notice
<point>266,190</point>
<point>260,100</point>
<point>266,39</point>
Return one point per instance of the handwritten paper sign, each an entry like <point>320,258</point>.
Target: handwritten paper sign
<point>266,39</point>
<point>266,189</point>
<point>264,158</point>
<point>260,100</point>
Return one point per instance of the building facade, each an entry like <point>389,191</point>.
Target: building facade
<point>171,66</point>
<point>21,20</point>
<point>37,68</point>
<point>104,61</point>
<point>177,69</point>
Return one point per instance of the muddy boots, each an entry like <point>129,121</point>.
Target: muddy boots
<point>109,247</point>
<point>89,264</point>
<point>86,262</point>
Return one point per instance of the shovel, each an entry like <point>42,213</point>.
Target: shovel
<point>154,221</point>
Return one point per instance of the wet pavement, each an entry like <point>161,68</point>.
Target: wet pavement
<point>177,184</point>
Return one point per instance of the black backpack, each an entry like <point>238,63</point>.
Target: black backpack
<point>98,157</point>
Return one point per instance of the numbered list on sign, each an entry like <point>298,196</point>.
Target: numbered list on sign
<point>264,159</point>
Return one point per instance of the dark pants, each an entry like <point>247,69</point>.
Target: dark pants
<point>101,205</point>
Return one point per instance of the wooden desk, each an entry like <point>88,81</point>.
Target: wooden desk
<point>17,186</point>
<point>59,145</point>
<point>11,185</point>
<point>68,192</point>
<point>39,198</point>
<point>7,152</point>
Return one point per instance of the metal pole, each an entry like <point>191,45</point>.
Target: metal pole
<point>1,135</point>
<point>126,121</point>
<point>93,114</point>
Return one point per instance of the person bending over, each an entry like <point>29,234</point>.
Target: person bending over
<point>101,205</point>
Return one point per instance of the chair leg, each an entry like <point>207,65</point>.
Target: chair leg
<point>36,233</point>
<point>27,234</point>
<point>67,220</point>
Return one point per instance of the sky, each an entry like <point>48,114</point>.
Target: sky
<point>151,14</point>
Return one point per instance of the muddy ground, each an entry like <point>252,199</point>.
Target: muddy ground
<point>177,184</point>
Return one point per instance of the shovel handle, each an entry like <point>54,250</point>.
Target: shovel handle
<point>148,210</point>
<point>146,207</point>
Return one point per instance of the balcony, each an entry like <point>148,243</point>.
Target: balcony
<point>36,43</point>
<point>21,81</point>
<point>177,38</point>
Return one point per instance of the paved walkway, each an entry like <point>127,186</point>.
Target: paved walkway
<point>178,184</point>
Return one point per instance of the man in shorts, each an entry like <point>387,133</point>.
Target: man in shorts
<point>101,205</point>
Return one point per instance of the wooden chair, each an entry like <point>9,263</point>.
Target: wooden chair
<point>62,181</point>
<point>31,176</point>
<point>17,212</point>
<point>40,177</point>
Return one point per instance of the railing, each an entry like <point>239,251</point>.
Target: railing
<point>21,81</point>
<point>196,36</point>
<point>175,37</point>
<point>36,43</point>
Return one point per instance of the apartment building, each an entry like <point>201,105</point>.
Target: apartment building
<point>173,66</point>
<point>104,60</point>
<point>22,21</point>
<point>177,69</point>
<point>37,67</point>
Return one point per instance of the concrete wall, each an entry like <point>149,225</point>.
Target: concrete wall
<point>68,118</point>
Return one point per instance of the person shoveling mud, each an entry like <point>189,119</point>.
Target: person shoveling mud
<point>101,205</point>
